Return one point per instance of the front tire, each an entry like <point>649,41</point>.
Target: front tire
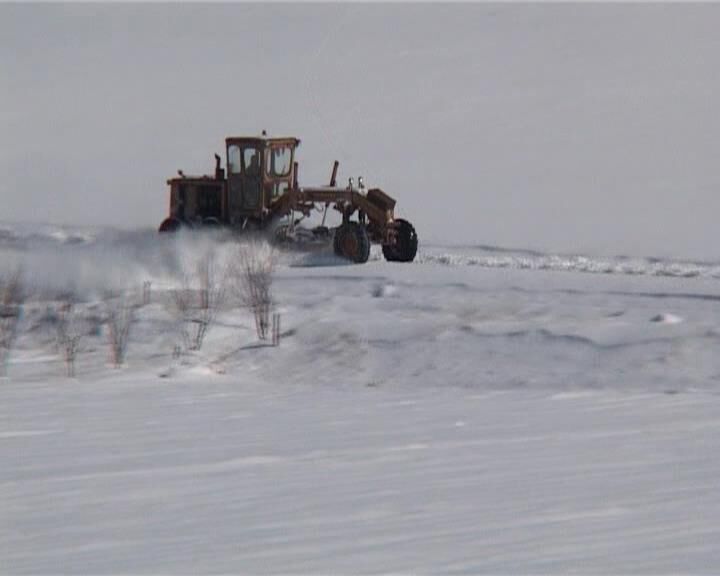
<point>406,243</point>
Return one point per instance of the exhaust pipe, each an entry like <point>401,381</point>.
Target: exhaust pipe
<point>219,172</point>
<point>333,178</point>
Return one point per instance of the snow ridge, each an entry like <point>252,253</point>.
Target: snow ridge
<point>493,257</point>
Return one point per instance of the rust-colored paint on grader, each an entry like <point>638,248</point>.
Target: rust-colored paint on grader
<point>253,193</point>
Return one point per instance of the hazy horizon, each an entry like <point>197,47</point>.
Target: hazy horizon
<point>564,127</point>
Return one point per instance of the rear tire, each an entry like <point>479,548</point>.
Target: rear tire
<point>405,249</point>
<point>352,242</point>
<point>170,225</point>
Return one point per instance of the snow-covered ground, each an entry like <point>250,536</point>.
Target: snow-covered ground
<point>480,410</point>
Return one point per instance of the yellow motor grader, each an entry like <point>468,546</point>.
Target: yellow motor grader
<point>259,191</point>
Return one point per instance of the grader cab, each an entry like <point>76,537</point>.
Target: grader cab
<point>261,192</point>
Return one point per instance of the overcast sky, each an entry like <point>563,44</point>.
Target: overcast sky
<point>564,127</point>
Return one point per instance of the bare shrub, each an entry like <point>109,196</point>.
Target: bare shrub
<point>276,330</point>
<point>120,316</point>
<point>146,292</point>
<point>70,328</point>
<point>12,298</point>
<point>198,301</point>
<point>253,275</point>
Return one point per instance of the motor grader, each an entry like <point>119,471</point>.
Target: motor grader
<point>260,192</point>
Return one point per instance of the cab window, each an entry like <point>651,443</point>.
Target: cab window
<point>251,161</point>
<point>279,188</point>
<point>279,161</point>
<point>234,159</point>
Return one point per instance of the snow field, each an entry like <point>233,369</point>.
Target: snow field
<point>415,418</point>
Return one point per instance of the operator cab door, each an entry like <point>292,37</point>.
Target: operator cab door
<point>278,170</point>
<point>244,181</point>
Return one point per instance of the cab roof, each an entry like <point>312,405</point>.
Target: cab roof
<point>262,141</point>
